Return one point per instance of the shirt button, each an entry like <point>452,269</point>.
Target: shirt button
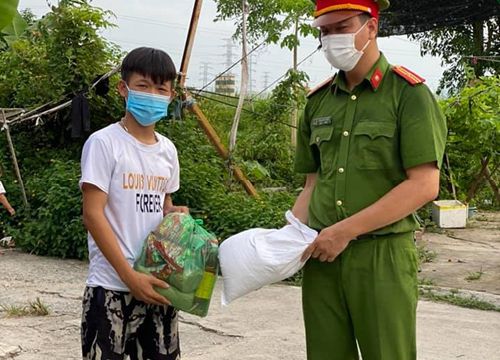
<point>345,133</point>
<point>318,139</point>
<point>341,170</point>
<point>354,97</point>
<point>339,203</point>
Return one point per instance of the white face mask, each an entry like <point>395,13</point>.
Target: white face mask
<point>340,50</point>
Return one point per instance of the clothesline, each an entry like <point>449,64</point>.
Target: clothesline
<point>34,114</point>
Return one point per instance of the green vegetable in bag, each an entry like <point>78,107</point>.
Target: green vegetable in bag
<point>183,254</point>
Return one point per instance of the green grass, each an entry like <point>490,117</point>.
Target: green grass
<point>476,275</point>
<point>295,280</point>
<point>426,281</point>
<point>425,255</point>
<point>34,308</point>
<point>453,298</point>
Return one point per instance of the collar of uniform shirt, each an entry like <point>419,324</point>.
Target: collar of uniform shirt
<point>374,76</point>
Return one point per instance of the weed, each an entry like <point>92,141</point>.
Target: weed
<point>14,310</point>
<point>426,281</point>
<point>295,280</point>
<point>38,308</point>
<point>476,275</point>
<point>425,255</point>
<point>481,218</point>
<point>34,308</point>
<point>470,302</point>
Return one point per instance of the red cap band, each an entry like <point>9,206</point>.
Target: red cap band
<point>326,6</point>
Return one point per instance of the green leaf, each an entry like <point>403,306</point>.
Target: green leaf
<point>14,30</point>
<point>8,9</point>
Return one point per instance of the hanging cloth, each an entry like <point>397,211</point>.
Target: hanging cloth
<point>80,116</point>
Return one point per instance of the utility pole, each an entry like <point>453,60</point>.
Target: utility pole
<point>204,72</point>
<point>202,119</point>
<point>266,79</point>
<point>251,73</point>
<point>230,46</point>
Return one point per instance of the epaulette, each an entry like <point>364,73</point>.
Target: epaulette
<point>408,75</point>
<point>320,86</point>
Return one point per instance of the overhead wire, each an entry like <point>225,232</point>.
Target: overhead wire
<point>282,76</point>
<point>233,65</point>
<point>244,109</point>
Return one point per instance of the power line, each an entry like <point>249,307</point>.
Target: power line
<point>246,110</point>
<point>204,69</point>
<point>232,66</point>
<point>282,76</point>
<point>232,97</point>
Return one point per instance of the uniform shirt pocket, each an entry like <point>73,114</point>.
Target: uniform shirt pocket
<point>321,138</point>
<point>375,146</point>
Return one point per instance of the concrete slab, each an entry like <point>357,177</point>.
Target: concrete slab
<point>266,324</point>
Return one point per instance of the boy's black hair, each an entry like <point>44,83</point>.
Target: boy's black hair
<point>149,62</point>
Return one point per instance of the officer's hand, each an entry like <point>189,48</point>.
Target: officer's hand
<point>141,287</point>
<point>329,244</point>
<point>11,211</point>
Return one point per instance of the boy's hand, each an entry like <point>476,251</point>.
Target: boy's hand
<point>173,209</point>
<point>11,211</point>
<point>141,287</point>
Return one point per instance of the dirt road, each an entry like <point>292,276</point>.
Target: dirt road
<point>265,325</point>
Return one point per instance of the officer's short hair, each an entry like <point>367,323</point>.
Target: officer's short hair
<point>364,17</point>
<point>148,62</point>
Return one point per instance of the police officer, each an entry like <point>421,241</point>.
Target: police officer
<point>371,142</point>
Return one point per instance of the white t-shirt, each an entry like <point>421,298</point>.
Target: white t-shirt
<point>2,189</point>
<point>136,178</point>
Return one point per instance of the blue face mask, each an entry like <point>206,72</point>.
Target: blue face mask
<point>147,109</point>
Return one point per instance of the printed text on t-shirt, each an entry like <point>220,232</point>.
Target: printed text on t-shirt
<point>146,202</point>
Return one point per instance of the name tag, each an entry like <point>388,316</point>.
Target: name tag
<point>327,120</point>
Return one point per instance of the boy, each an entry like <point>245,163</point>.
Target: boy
<point>128,174</point>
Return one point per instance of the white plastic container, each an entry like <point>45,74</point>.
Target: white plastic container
<point>449,214</point>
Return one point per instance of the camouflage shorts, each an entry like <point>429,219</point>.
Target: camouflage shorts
<point>117,326</point>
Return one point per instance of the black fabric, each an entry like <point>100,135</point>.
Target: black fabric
<point>116,326</point>
<point>80,116</point>
<point>102,88</point>
<point>411,16</point>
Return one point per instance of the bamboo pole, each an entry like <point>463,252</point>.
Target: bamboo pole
<point>202,119</point>
<point>14,158</point>
<point>188,48</point>
<point>295,112</point>
<point>221,149</point>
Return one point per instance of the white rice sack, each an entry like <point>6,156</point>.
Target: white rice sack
<point>257,257</point>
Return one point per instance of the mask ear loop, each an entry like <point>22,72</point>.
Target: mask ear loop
<point>357,32</point>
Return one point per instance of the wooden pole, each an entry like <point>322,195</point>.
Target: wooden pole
<point>221,149</point>
<point>14,158</point>
<point>295,112</point>
<point>202,119</point>
<point>188,48</point>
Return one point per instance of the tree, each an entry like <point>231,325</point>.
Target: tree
<point>474,141</point>
<point>476,44</point>
<point>274,21</point>
<point>54,58</point>
<point>8,10</point>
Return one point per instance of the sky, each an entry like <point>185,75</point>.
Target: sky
<point>164,23</point>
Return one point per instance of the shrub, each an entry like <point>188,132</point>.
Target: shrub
<point>53,224</point>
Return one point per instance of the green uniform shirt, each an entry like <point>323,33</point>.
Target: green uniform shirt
<point>360,143</point>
